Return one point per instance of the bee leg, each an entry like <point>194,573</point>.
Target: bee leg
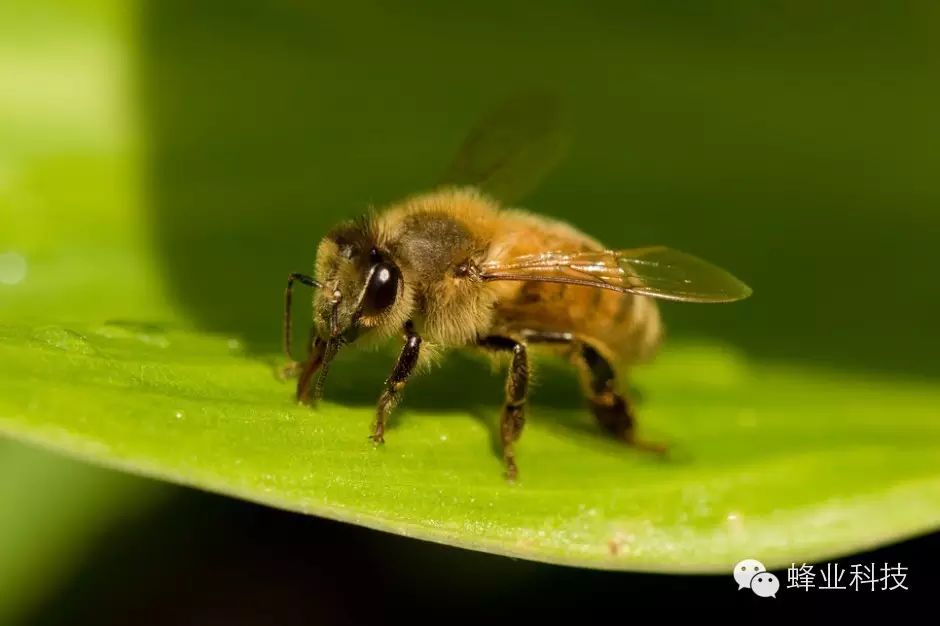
<point>517,390</point>
<point>395,384</point>
<point>310,367</point>
<point>611,408</point>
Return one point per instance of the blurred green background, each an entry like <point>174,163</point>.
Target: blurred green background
<point>792,142</point>
<point>788,141</point>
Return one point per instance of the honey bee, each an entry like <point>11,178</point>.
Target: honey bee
<point>455,268</point>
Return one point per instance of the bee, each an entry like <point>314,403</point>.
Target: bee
<point>456,268</point>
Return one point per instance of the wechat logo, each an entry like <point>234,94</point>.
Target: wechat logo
<point>751,574</point>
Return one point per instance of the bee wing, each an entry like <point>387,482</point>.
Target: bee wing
<point>511,149</point>
<point>657,271</point>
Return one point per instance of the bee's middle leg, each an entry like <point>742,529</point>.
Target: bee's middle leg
<point>517,391</point>
<point>395,384</point>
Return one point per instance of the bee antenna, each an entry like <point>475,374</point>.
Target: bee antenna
<point>288,298</point>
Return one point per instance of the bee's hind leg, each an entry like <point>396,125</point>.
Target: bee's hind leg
<point>610,407</point>
<point>517,390</point>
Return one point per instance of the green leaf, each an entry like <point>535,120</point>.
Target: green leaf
<point>769,462</point>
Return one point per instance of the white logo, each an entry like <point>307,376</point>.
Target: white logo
<point>765,585</point>
<point>751,574</point>
<point>745,571</point>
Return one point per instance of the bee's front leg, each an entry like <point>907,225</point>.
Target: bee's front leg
<point>395,384</point>
<point>517,391</point>
<point>309,368</point>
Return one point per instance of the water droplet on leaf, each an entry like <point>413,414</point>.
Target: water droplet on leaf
<point>12,268</point>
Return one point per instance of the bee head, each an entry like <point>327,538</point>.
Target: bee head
<point>363,292</point>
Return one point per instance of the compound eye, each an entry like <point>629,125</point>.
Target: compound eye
<point>382,289</point>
